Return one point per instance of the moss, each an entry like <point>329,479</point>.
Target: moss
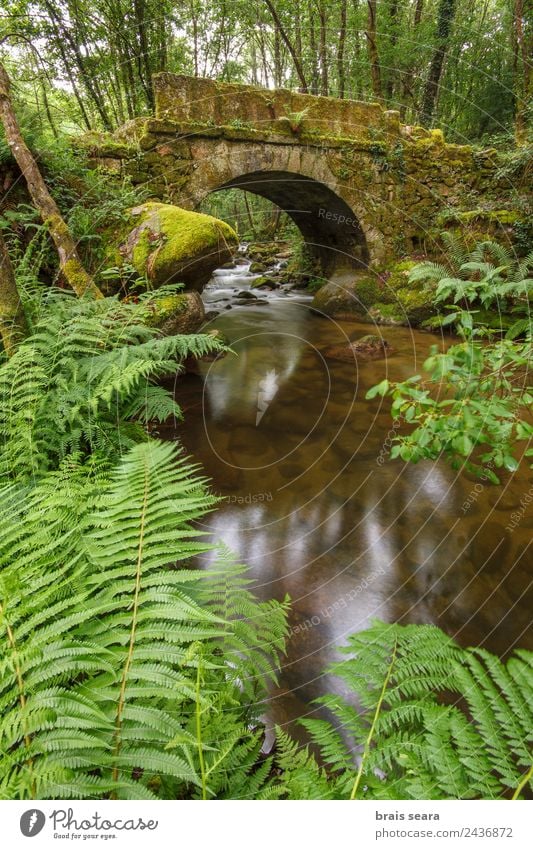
<point>369,290</point>
<point>396,277</point>
<point>57,227</point>
<point>148,141</point>
<point>170,244</point>
<point>103,145</point>
<point>187,232</point>
<point>417,304</point>
<point>391,299</point>
<point>494,216</point>
<point>141,251</point>
<point>161,309</point>
<point>495,320</point>
<point>382,313</point>
<point>78,278</point>
<point>403,267</point>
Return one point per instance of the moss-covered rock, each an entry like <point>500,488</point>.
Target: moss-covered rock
<point>340,298</point>
<point>406,302</point>
<point>263,283</point>
<point>170,245</point>
<point>104,145</point>
<point>176,314</point>
<point>385,298</point>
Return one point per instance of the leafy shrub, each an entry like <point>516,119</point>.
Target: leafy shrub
<point>489,274</point>
<point>472,408</point>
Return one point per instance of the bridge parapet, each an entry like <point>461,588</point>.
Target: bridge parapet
<point>197,101</point>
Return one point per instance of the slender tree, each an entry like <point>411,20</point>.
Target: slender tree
<point>341,70</point>
<point>373,53</point>
<point>289,45</point>
<point>446,13</point>
<point>409,73</point>
<point>69,261</point>
<point>522,52</point>
<point>13,326</point>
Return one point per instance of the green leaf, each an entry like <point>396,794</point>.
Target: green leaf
<point>379,389</point>
<point>463,444</point>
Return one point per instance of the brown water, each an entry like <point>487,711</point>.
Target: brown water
<point>318,512</point>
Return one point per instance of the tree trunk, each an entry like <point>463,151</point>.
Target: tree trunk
<point>277,59</point>
<point>324,88</point>
<point>341,71</point>
<point>373,53</point>
<point>313,50</point>
<point>249,215</point>
<point>273,225</point>
<point>13,326</point>
<point>69,261</point>
<point>522,52</point>
<point>63,36</point>
<point>393,40</point>
<point>357,75</point>
<point>288,44</point>
<point>194,21</point>
<point>144,67</point>
<point>446,15</point>
<point>408,76</point>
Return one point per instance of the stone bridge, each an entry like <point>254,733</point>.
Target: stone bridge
<point>359,185</point>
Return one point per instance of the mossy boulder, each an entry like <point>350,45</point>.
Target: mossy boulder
<point>173,245</point>
<point>385,298</point>
<point>175,314</point>
<point>408,302</point>
<point>104,145</point>
<point>350,296</point>
<point>263,282</point>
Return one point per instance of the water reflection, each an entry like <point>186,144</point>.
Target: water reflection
<point>317,512</point>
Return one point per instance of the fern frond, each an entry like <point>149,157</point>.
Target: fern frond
<point>491,252</point>
<point>455,249</point>
<point>412,744</point>
<point>431,271</point>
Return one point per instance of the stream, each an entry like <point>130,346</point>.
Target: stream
<point>314,507</point>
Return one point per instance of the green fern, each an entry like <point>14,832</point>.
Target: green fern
<point>104,626</point>
<point>103,632</point>
<point>401,740</point>
<point>489,274</point>
<point>83,382</point>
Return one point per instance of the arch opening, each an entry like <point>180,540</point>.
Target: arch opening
<point>330,229</point>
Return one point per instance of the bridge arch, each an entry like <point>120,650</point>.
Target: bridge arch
<point>330,228</point>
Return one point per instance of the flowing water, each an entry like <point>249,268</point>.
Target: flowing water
<point>316,510</point>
